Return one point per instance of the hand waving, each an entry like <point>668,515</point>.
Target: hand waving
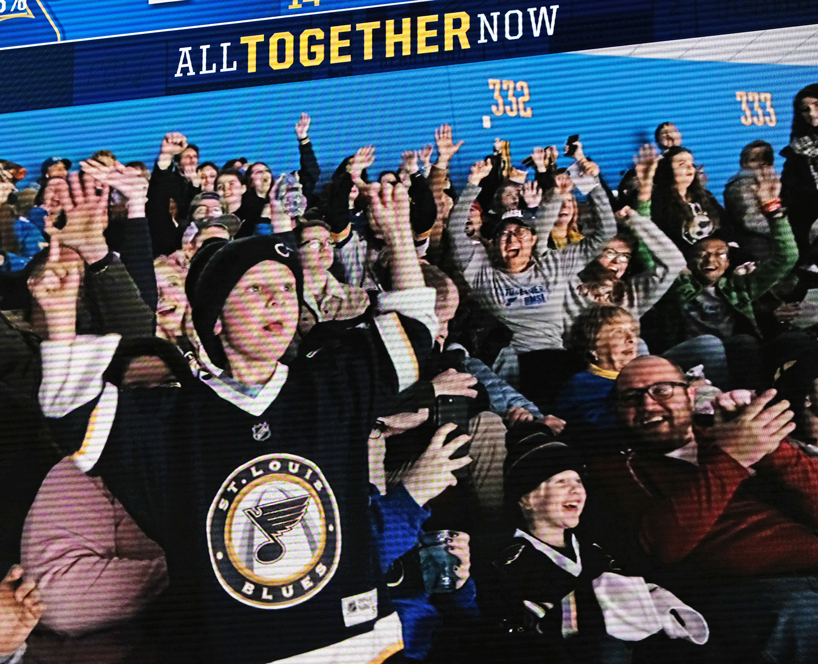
<point>432,472</point>
<point>756,432</point>
<point>446,147</point>
<point>478,171</point>
<point>302,126</point>
<point>86,213</point>
<point>532,194</point>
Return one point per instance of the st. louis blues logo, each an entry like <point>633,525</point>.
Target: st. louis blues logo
<point>274,532</point>
<point>274,519</point>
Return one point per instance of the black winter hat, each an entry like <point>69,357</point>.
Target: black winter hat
<point>535,459</point>
<point>217,268</point>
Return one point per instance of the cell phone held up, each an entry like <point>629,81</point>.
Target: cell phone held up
<point>454,409</point>
<point>571,145</point>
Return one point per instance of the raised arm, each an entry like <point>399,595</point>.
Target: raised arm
<point>310,170</point>
<point>597,233</point>
<point>173,143</point>
<point>390,215</point>
<point>446,149</point>
<point>668,262</point>
<point>423,209</point>
<point>464,248</point>
<point>110,295</point>
<point>547,213</point>
<point>785,250</point>
<point>135,252</point>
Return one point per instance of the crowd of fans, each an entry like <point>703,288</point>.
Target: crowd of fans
<point>238,406</point>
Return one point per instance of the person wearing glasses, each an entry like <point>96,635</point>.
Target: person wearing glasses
<point>638,265</point>
<point>325,298</point>
<point>640,289</point>
<point>522,282</point>
<point>729,513</point>
<point>714,301</point>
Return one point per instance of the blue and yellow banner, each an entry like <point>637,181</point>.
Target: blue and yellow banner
<point>302,44</point>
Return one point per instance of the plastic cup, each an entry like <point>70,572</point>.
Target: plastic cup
<point>436,563</point>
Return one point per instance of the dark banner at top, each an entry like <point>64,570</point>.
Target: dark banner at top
<point>350,42</point>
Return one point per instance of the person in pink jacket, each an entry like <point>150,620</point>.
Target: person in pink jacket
<point>94,567</point>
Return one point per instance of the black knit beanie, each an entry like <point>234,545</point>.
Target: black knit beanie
<point>215,272</point>
<point>534,460</point>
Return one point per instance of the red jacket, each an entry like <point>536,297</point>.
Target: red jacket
<point>718,516</point>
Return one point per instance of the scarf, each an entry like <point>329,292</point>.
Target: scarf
<point>807,146</point>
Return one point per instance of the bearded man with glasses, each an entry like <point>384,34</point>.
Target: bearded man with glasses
<point>727,514</point>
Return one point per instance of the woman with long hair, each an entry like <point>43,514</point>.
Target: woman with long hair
<point>680,205</point>
<point>799,180</point>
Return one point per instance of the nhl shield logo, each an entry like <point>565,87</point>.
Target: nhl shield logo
<point>261,431</point>
<point>274,532</point>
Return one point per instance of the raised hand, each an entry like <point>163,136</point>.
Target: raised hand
<point>478,171</point>
<point>20,610</point>
<point>302,126</point>
<point>768,186</point>
<point>532,194</point>
<point>363,159</point>
<point>409,162</point>
<point>86,213</point>
<point>446,147</point>
<point>588,167</point>
<point>433,471</point>
<point>286,202</point>
<point>389,216</point>
<point>173,143</point>
<point>756,431</point>
<point>646,161</point>
<point>55,287</point>
<point>425,156</point>
<point>389,209</point>
<point>129,181</point>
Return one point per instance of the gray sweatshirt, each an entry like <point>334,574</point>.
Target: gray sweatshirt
<point>644,289</point>
<point>530,303</point>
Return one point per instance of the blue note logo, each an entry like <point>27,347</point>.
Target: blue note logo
<point>274,532</point>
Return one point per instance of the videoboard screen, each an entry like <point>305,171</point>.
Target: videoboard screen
<point>234,78</point>
<point>388,74</point>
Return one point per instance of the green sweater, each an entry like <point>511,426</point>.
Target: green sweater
<point>738,290</point>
